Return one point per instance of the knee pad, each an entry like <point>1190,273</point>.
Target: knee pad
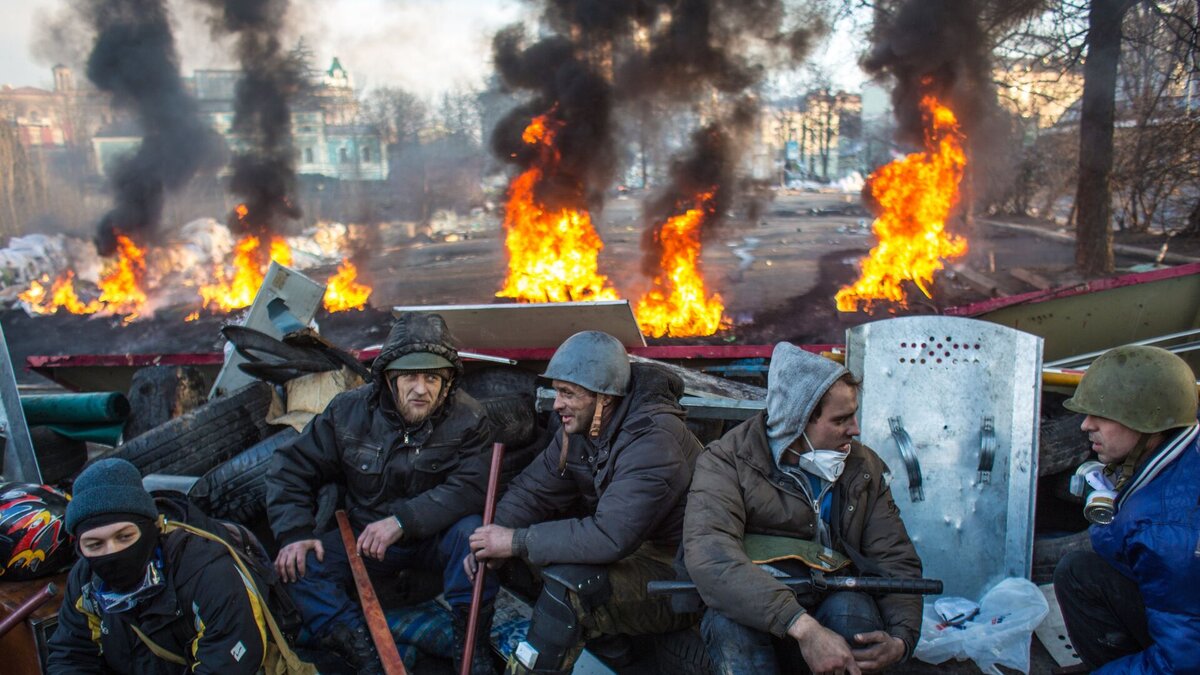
<point>553,630</point>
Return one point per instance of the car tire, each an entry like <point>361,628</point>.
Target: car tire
<point>1061,445</point>
<point>1049,548</point>
<point>237,489</point>
<point>194,443</point>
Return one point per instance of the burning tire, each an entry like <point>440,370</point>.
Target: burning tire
<point>237,489</point>
<point>193,443</point>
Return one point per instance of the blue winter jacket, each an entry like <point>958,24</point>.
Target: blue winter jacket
<point>1155,541</point>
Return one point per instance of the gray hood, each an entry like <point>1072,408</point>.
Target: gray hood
<point>795,384</point>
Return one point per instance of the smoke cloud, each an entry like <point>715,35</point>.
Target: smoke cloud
<point>611,55</point>
<point>264,175</point>
<point>134,59</point>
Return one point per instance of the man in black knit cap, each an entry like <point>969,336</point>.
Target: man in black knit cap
<point>143,601</point>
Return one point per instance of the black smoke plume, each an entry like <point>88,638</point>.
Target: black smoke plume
<point>609,56</point>
<point>134,59</point>
<point>264,175</point>
<point>933,47</point>
<point>705,169</point>
<point>944,48</point>
<point>576,98</point>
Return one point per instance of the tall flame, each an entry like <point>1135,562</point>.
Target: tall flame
<point>915,194</point>
<point>343,292</point>
<point>236,289</point>
<point>120,287</point>
<point>677,304</point>
<point>552,252</point>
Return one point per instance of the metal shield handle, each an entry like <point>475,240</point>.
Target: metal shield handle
<point>987,449</point>
<point>909,454</point>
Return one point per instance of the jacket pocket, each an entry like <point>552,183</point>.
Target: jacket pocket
<point>363,464</point>
<point>432,464</point>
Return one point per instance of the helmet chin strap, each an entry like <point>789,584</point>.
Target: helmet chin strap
<point>1121,473</point>
<point>594,431</point>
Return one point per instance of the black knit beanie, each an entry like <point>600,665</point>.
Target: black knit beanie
<point>108,486</point>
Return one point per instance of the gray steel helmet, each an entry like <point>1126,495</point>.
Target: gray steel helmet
<point>1148,389</point>
<point>593,360</point>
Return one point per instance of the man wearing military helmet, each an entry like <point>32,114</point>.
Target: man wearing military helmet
<point>1133,605</point>
<point>600,511</point>
<point>412,453</point>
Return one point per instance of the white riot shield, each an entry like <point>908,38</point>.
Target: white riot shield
<point>952,406</point>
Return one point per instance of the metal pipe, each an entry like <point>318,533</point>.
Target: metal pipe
<point>26,608</point>
<point>489,512</point>
<point>381,635</point>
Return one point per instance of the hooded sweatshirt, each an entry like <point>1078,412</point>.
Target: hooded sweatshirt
<point>741,488</point>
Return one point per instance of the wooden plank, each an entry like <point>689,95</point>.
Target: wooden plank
<point>534,325</point>
<point>1032,278</point>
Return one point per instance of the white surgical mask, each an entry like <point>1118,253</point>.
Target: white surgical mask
<point>826,464</point>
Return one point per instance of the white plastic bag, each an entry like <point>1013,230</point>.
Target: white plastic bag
<point>998,635</point>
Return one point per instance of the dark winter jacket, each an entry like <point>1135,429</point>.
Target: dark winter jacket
<point>205,613</point>
<point>428,475</point>
<point>738,488</point>
<point>629,484</point>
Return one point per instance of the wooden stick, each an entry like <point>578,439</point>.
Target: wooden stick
<point>489,512</point>
<point>381,635</point>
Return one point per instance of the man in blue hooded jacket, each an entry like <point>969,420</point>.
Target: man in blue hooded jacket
<point>1133,605</point>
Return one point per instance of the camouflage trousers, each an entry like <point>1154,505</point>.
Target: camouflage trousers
<point>629,610</point>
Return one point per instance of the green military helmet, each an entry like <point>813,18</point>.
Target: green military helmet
<point>419,361</point>
<point>1148,389</point>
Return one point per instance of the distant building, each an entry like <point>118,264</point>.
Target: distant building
<point>327,138</point>
<point>1037,95</point>
<point>814,137</point>
<point>54,119</point>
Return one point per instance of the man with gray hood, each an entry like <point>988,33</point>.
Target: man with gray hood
<point>793,487</point>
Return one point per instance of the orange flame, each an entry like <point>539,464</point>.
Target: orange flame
<point>678,304</point>
<point>916,194</point>
<point>343,292</point>
<point>61,295</point>
<point>236,289</point>
<point>552,253</point>
<point>120,287</point>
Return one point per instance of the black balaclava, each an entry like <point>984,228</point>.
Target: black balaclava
<point>124,570</point>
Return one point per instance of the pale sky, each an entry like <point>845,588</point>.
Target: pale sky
<point>425,46</point>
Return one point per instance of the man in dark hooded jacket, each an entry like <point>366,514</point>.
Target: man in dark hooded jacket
<point>412,452</point>
<point>149,596</point>
<point>601,509</point>
<point>793,485</point>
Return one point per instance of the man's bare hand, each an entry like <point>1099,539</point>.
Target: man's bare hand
<point>290,561</point>
<point>471,565</point>
<point>492,542</point>
<point>877,650</point>
<point>378,536</point>
<point>824,651</point>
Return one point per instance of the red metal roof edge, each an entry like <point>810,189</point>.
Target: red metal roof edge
<point>1033,297</point>
<point>539,354</point>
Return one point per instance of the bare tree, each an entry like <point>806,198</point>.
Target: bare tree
<point>21,190</point>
